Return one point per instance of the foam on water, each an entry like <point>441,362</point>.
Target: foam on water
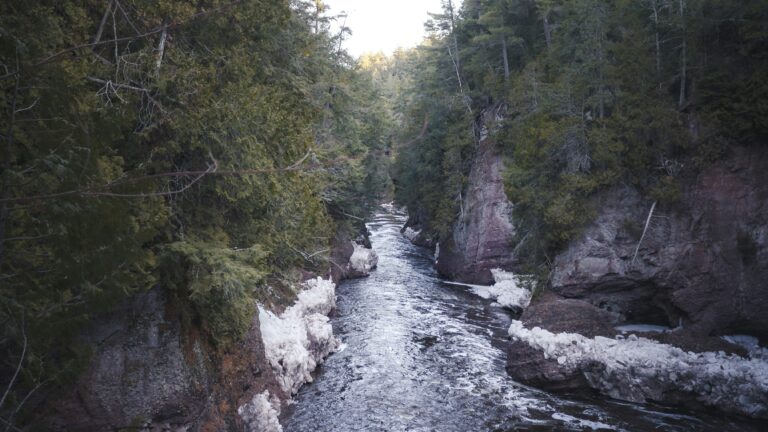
<point>422,355</point>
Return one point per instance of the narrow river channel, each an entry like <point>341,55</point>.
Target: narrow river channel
<point>422,355</point>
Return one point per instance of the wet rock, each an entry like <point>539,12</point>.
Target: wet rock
<point>417,229</point>
<point>351,256</point>
<point>148,373</point>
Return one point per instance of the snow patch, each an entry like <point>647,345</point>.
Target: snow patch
<point>261,414</point>
<point>363,260</point>
<point>411,234</point>
<point>299,339</point>
<point>508,291</point>
<point>389,207</point>
<point>638,369</point>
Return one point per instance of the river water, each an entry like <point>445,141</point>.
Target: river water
<point>422,355</point>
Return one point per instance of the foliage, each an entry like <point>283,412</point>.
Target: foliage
<point>598,94</point>
<point>191,145</point>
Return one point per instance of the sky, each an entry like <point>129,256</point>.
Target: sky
<point>384,25</point>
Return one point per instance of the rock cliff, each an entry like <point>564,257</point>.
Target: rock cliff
<point>700,268</point>
<point>482,235</point>
<point>703,263</point>
<point>149,372</point>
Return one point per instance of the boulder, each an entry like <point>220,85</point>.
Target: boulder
<point>527,365</point>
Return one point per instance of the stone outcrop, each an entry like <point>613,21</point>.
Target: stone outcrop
<point>482,236</point>
<point>417,229</point>
<point>351,259</point>
<point>139,374</point>
<point>702,267</point>
<point>147,374</point>
<point>703,262</point>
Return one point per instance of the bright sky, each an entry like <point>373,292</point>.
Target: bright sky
<point>384,25</point>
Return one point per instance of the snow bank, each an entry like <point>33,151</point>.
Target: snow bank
<point>411,234</point>
<point>639,369</point>
<point>363,260</point>
<point>261,414</point>
<point>300,338</point>
<point>506,291</point>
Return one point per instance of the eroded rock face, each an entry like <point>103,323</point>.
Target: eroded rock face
<point>140,374</point>
<point>702,263</point>
<point>482,237</point>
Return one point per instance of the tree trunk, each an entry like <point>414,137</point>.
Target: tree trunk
<point>683,57</point>
<point>7,164</point>
<point>655,6</point>
<point>506,58</point>
<point>547,32</point>
<point>100,31</point>
<point>161,50</point>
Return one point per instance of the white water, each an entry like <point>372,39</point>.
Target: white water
<point>419,354</point>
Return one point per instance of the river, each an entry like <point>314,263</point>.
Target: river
<point>422,355</point>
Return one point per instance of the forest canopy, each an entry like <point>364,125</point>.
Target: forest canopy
<point>593,94</point>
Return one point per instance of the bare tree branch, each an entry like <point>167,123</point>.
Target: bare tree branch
<point>645,230</point>
<point>99,32</point>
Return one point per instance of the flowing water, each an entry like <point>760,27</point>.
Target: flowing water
<point>422,355</point>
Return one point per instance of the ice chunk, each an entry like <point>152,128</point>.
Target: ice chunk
<point>411,234</point>
<point>507,291</point>
<point>642,328</point>
<point>296,341</point>
<point>261,414</point>
<point>639,369</point>
<point>363,260</point>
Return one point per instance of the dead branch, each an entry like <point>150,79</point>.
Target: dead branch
<point>99,32</point>
<point>110,87</point>
<point>645,230</point>
<point>161,50</point>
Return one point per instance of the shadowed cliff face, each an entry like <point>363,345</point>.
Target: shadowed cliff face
<point>147,373</point>
<point>482,237</point>
<point>703,261</point>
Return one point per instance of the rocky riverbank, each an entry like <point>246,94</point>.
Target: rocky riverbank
<point>696,268</point>
<point>152,372</point>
